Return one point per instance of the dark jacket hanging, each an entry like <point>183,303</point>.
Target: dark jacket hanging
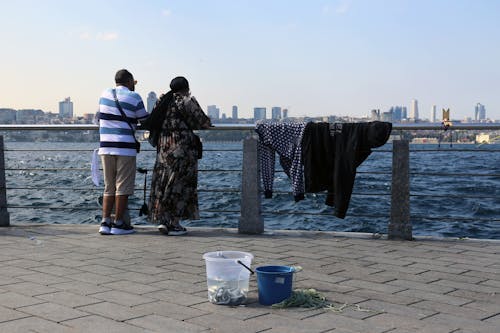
<point>331,152</point>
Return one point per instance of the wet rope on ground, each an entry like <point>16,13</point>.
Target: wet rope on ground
<point>311,298</point>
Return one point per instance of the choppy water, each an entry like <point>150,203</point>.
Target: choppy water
<point>439,204</point>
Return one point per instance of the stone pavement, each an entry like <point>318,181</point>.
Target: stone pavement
<point>67,278</point>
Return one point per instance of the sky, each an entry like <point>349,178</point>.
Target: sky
<point>316,58</point>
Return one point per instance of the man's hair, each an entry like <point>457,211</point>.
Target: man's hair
<point>123,76</point>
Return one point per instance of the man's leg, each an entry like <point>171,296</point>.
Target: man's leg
<point>125,182</point>
<point>108,202</point>
<point>121,206</point>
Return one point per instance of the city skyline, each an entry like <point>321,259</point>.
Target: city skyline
<point>316,58</point>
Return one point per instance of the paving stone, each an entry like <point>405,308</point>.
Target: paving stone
<point>479,296</point>
<point>428,287</point>
<point>29,288</point>
<point>15,300</point>
<point>228,324</point>
<point>182,286</point>
<point>52,311</point>
<point>101,269</point>
<point>466,286</point>
<point>34,324</point>
<point>68,299</point>
<point>461,323</point>
<point>96,324</point>
<point>135,277</point>
<point>176,297</point>
<point>397,309</point>
<point>44,279</point>
<point>171,310</point>
<point>123,298</point>
<point>380,287</point>
<point>81,288</point>
<point>159,324</point>
<point>7,314</point>
<point>114,311</point>
<point>329,320</point>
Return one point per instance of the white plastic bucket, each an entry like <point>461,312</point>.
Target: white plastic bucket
<point>227,276</point>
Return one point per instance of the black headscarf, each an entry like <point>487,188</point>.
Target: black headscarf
<point>157,116</point>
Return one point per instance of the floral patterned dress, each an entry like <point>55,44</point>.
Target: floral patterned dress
<point>175,176</point>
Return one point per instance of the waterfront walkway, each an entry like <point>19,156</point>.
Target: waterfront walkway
<point>67,278</point>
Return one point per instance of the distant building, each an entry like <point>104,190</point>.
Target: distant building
<point>375,114</point>
<point>259,113</point>
<point>479,112</point>
<point>66,108</point>
<point>29,116</point>
<point>433,114</point>
<point>414,110</point>
<point>213,112</point>
<point>7,116</point>
<point>235,112</point>
<point>276,112</point>
<point>386,116</point>
<point>285,113</point>
<point>151,101</point>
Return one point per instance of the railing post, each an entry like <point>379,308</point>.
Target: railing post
<point>400,225</point>
<point>251,221</point>
<point>4,215</point>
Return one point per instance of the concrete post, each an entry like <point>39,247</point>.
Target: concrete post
<point>251,221</point>
<point>400,225</point>
<point>4,215</point>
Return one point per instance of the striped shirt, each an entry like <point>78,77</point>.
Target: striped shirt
<point>116,137</point>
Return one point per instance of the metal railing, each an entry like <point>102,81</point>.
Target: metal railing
<point>251,214</point>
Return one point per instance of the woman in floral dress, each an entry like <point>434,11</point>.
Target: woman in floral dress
<point>174,195</point>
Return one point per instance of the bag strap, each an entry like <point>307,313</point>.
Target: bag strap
<point>124,116</point>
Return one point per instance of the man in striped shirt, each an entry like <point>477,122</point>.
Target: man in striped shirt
<point>118,149</point>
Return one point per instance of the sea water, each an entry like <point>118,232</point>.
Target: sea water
<point>441,203</point>
<point>233,292</point>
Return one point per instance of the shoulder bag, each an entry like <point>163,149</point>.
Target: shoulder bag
<point>124,116</point>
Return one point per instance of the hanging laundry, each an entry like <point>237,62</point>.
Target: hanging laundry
<point>285,140</point>
<point>331,152</point>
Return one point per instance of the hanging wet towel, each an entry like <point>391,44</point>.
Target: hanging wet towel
<point>94,168</point>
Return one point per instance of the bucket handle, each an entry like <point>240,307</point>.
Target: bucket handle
<point>242,264</point>
<point>239,262</point>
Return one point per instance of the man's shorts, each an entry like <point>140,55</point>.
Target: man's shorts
<point>119,174</point>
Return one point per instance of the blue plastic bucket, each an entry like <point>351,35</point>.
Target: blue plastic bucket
<point>274,283</point>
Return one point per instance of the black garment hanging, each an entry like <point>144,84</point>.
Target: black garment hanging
<point>331,153</point>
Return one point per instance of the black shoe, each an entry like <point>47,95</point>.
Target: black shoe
<point>122,229</point>
<point>176,230</point>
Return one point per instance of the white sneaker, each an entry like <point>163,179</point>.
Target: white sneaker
<point>122,229</point>
<point>105,229</point>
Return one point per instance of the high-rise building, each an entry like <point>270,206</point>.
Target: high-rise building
<point>151,101</point>
<point>213,112</point>
<point>404,112</point>
<point>66,108</point>
<point>387,116</point>
<point>433,114</point>
<point>414,110</point>
<point>259,113</point>
<point>397,113</point>
<point>276,112</point>
<point>375,114</point>
<point>479,112</point>
<point>235,112</point>
<point>285,113</point>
